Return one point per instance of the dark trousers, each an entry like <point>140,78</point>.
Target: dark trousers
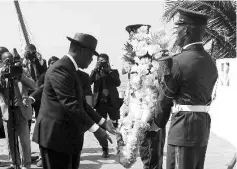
<point>57,160</point>
<point>185,157</point>
<point>102,109</point>
<point>76,160</point>
<point>36,106</point>
<point>151,149</point>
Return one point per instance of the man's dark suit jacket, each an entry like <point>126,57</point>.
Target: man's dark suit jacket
<point>191,82</point>
<point>112,81</point>
<point>37,94</point>
<point>85,82</point>
<point>62,119</point>
<point>85,79</point>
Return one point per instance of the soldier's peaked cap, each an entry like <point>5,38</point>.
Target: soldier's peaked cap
<point>191,17</point>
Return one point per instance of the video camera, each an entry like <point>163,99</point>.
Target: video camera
<point>12,68</point>
<point>103,64</point>
<point>31,55</point>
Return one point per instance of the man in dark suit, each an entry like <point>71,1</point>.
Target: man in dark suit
<point>34,67</point>
<point>35,97</point>
<point>188,91</point>
<point>63,119</point>
<point>106,98</point>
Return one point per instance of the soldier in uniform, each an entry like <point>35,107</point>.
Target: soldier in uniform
<point>187,91</point>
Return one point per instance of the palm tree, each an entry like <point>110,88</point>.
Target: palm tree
<point>221,28</point>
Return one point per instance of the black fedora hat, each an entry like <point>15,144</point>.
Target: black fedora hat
<point>86,41</point>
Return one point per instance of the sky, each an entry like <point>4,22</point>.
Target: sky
<point>49,22</point>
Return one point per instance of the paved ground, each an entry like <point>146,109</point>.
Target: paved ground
<point>219,154</point>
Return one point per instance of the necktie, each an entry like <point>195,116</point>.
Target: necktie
<point>17,95</point>
<point>32,72</point>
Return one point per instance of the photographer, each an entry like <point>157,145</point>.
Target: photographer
<point>33,62</point>
<point>106,99</point>
<point>15,112</point>
<point>35,66</point>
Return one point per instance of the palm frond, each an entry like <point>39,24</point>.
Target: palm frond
<point>130,54</point>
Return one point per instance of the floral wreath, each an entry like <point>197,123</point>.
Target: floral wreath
<point>146,60</point>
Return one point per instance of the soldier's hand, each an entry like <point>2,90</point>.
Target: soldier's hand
<point>108,126</point>
<point>101,133</point>
<point>27,101</point>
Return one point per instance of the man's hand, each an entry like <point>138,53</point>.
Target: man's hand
<point>101,133</point>
<point>108,126</point>
<point>27,101</point>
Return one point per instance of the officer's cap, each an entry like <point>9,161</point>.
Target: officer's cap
<point>191,17</point>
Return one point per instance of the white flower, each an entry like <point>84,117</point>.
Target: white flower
<point>143,69</point>
<point>148,80</point>
<point>153,49</point>
<point>134,42</point>
<point>135,81</point>
<point>134,68</point>
<point>140,36</point>
<point>143,29</point>
<point>145,61</point>
<point>141,48</point>
<point>136,59</point>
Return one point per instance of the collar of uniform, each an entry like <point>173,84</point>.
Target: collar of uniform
<point>73,61</point>
<point>186,46</point>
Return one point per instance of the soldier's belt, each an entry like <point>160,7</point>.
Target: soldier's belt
<point>192,108</point>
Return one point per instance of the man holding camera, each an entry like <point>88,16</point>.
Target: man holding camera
<point>35,66</point>
<point>15,109</point>
<point>106,98</point>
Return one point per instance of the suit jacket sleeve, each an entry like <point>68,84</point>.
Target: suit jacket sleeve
<point>167,92</point>
<point>92,113</point>
<point>40,81</point>
<point>27,81</point>
<point>37,94</point>
<point>87,86</point>
<point>63,83</point>
<point>92,77</point>
<point>115,76</point>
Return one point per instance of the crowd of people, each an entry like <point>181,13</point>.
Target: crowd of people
<point>65,106</point>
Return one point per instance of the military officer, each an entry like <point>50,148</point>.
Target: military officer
<point>187,91</point>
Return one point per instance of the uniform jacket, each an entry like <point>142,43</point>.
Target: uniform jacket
<point>62,118</point>
<point>21,90</point>
<point>193,76</point>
